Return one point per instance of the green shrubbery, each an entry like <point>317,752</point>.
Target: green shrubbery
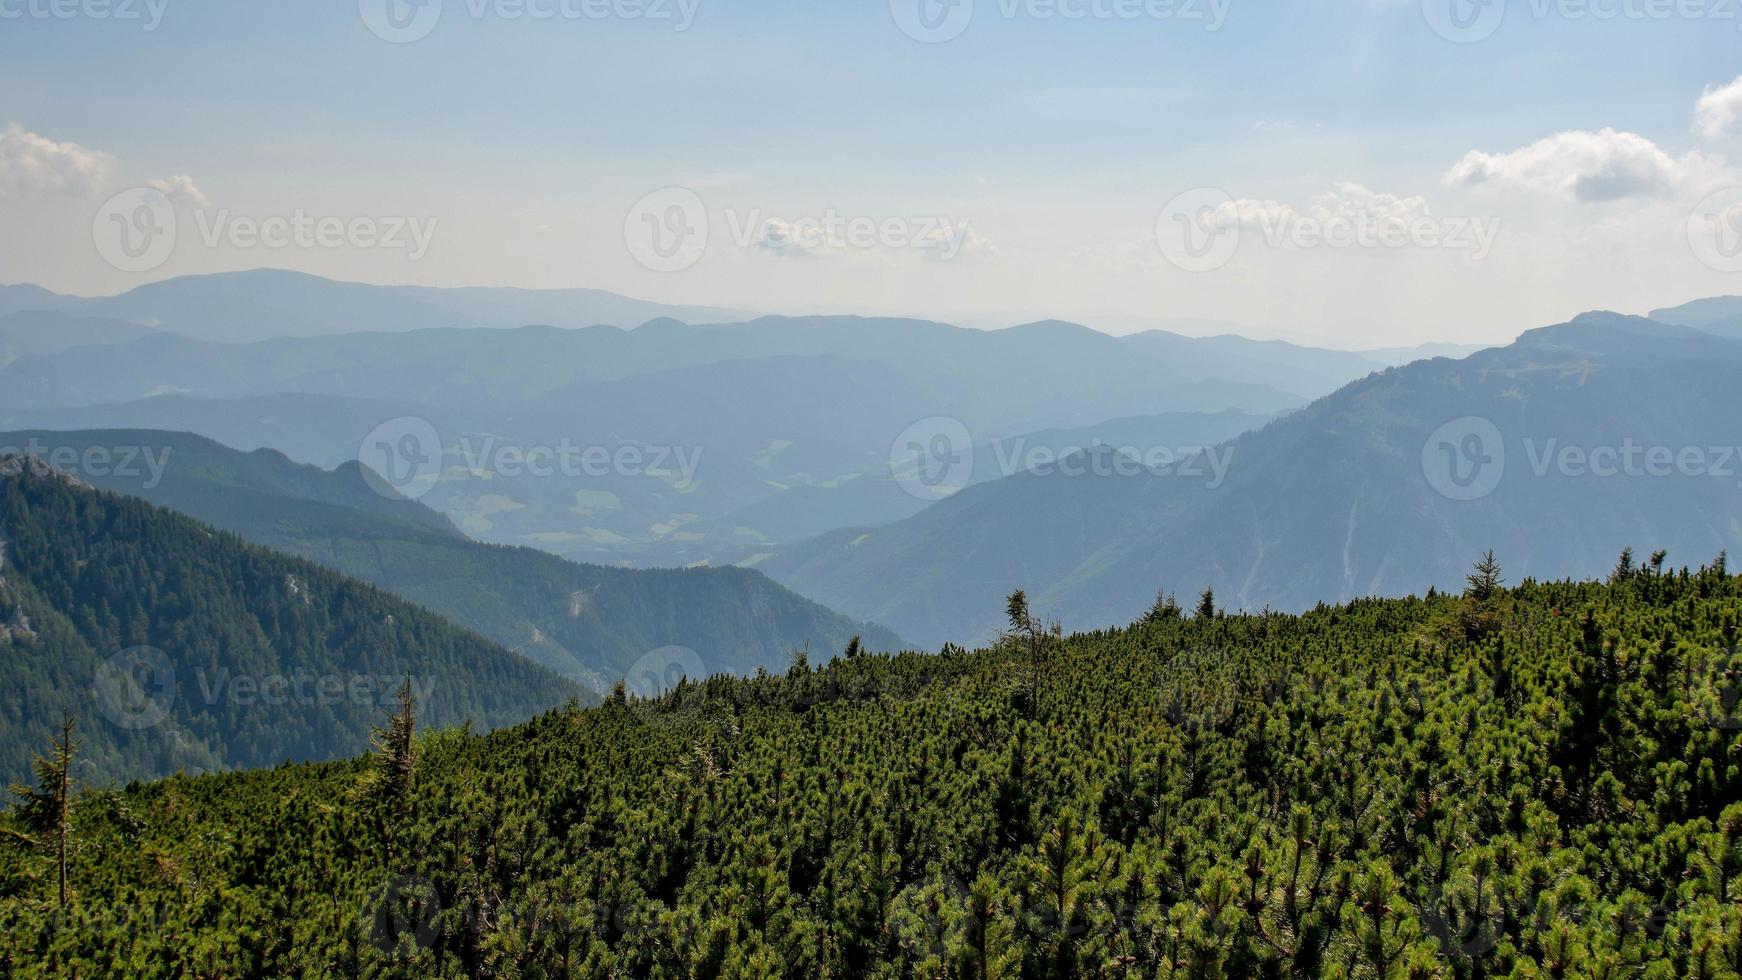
<point>1370,790</point>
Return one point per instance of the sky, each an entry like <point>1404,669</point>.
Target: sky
<point>1347,172</point>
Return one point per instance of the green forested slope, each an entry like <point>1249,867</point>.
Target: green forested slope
<point>591,623</point>
<point>180,646</point>
<point>1540,782</point>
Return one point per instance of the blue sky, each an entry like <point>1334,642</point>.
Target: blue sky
<point>1048,149</point>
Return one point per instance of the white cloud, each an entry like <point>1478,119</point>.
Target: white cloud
<point>30,163</point>
<point>1718,110</point>
<point>1346,201</point>
<point>1585,166</point>
<point>181,190</point>
<point>781,237</point>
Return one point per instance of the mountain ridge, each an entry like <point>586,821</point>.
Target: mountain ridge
<point>261,303</point>
<point>590,623</point>
<point>165,637</point>
<point>1286,531</point>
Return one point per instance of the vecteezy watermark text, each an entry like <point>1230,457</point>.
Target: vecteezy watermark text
<point>566,458</point>
<point>1100,458</point>
<point>937,21</point>
<point>303,687</point>
<point>147,13</point>
<point>146,464</point>
<point>137,230</point>
<point>1201,229</point>
<point>299,229</point>
<point>1470,21</point>
<point>935,457</point>
<point>1466,459</point>
<point>671,229</point>
<point>407,456</point>
<point>405,21</point>
<point>138,688</point>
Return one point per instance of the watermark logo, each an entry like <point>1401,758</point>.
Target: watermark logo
<point>932,458</point>
<point>667,231</point>
<point>136,688</point>
<point>671,229</point>
<point>1464,21</point>
<point>937,21</point>
<point>937,456</point>
<point>135,230</point>
<point>148,13</point>
<point>1722,706</point>
<point>304,688</point>
<point>403,914</point>
<point>405,21</point>
<point>929,918</point>
<point>1193,230</point>
<point>145,464</point>
<point>932,21</point>
<point>299,229</point>
<point>1102,459</point>
<point>1715,230</point>
<point>405,456</point>
<point>400,21</point>
<point>1633,459</point>
<point>1471,21</point>
<point>490,457</point>
<point>1464,459</point>
<point>1202,229</point>
<point>658,671</point>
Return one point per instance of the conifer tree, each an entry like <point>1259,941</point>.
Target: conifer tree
<point>987,949</point>
<point>1624,567</point>
<point>1016,610</point>
<point>1026,628</point>
<point>1485,580</point>
<point>396,747</point>
<point>47,808</point>
<point>1164,609</point>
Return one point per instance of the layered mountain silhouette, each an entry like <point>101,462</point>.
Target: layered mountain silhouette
<point>1556,451</point>
<point>592,624</point>
<point>47,332</point>
<point>779,416</point>
<point>238,307</point>
<point>1720,315</point>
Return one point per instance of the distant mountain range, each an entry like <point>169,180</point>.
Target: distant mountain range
<point>1387,486</point>
<point>592,624</point>
<point>242,307</point>
<point>47,332</point>
<point>779,428</point>
<point>178,647</point>
<point>1720,315</point>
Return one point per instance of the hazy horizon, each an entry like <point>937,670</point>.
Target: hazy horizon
<point>1116,325</point>
<point>1379,173</point>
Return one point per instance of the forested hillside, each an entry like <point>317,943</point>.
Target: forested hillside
<point>590,623</point>
<point>178,646</point>
<point>1535,782</point>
